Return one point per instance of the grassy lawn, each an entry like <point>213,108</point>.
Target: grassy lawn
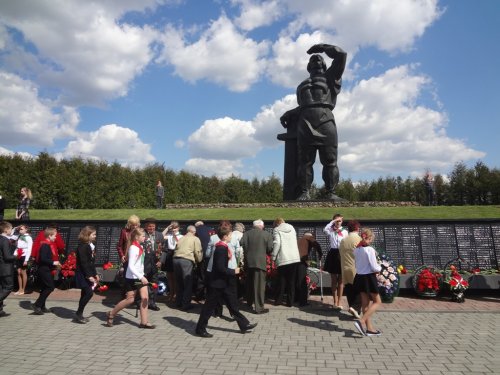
<point>248,214</point>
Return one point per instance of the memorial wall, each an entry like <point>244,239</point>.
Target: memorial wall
<point>411,243</point>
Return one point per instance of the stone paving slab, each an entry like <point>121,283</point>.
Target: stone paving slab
<point>418,338</point>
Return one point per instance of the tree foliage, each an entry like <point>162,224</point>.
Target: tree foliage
<point>86,184</point>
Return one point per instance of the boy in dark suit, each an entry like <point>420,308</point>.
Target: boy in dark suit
<point>220,289</point>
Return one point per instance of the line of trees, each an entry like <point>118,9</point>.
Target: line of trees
<point>78,184</point>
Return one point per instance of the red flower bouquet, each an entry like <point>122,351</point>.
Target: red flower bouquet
<point>456,283</point>
<point>68,268</point>
<point>427,281</point>
<point>107,266</point>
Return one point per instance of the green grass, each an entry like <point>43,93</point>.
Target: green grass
<point>246,214</point>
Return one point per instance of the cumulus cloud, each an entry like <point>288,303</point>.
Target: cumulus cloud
<point>214,167</point>
<point>25,155</point>
<point>81,48</point>
<point>383,129</point>
<point>255,14</point>
<point>111,143</point>
<point>224,138</point>
<point>27,120</point>
<point>221,55</point>
<point>388,25</point>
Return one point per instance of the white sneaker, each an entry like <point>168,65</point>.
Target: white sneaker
<point>354,313</point>
<point>359,327</point>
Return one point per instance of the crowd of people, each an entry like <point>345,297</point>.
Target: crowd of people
<point>219,265</point>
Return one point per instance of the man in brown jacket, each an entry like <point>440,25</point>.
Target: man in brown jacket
<point>348,266</point>
<point>187,253</point>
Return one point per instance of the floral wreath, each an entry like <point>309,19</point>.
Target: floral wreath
<point>427,281</point>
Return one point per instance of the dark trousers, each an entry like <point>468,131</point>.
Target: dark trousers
<point>287,283</point>
<point>183,270</point>
<point>85,296</point>
<point>301,283</point>
<point>217,296</point>
<point>47,285</point>
<point>353,298</point>
<point>256,288</point>
<point>6,286</point>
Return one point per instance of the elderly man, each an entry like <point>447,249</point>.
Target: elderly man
<point>256,244</point>
<point>187,253</point>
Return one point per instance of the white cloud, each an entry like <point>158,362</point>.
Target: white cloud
<point>255,14</point>
<point>25,155</point>
<point>26,120</point>
<point>111,143</point>
<point>391,25</point>
<point>224,138</point>
<point>214,167</point>
<point>83,49</point>
<point>382,129</point>
<point>221,55</point>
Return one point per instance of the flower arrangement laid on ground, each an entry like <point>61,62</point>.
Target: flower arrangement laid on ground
<point>311,285</point>
<point>68,269</point>
<point>388,279</point>
<point>427,281</point>
<point>457,284</point>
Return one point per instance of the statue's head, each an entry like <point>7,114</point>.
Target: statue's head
<point>316,64</point>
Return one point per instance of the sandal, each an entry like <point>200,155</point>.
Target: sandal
<point>109,321</point>
<point>147,326</point>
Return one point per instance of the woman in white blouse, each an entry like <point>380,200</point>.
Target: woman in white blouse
<point>366,284</point>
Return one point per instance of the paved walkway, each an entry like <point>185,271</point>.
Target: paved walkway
<point>419,337</point>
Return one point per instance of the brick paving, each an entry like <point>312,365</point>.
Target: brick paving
<point>420,336</point>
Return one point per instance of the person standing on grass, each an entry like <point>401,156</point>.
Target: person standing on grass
<point>366,283</point>
<point>86,277</point>
<point>336,234</point>
<point>160,194</point>
<point>23,212</point>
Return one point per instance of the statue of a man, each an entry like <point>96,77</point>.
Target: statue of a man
<point>315,127</point>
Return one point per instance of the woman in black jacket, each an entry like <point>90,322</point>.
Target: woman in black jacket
<point>86,277</point>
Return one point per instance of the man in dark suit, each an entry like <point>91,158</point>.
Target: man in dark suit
<point>256,243</point>
<point>152,249</point>
<point>7,260</point>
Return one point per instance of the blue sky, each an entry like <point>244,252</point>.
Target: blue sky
<point>200,85</point>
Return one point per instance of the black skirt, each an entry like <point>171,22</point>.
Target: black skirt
<point>366,283</point>
<point>167,259</point>
<point>332,262</point>
<point>20,263</point>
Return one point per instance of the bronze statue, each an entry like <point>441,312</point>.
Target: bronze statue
<point>311,126</point>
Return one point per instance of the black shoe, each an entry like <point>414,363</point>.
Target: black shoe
<point>187,308</point>
<point>80,319</point>
<point>46,310</point>
<point>204,334</point>
<point>304,304</point>
<point>154,308</point>
<point>3,313</point>
<point>248,328</point>
<point>263,311</point>
<point>38,311</point>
